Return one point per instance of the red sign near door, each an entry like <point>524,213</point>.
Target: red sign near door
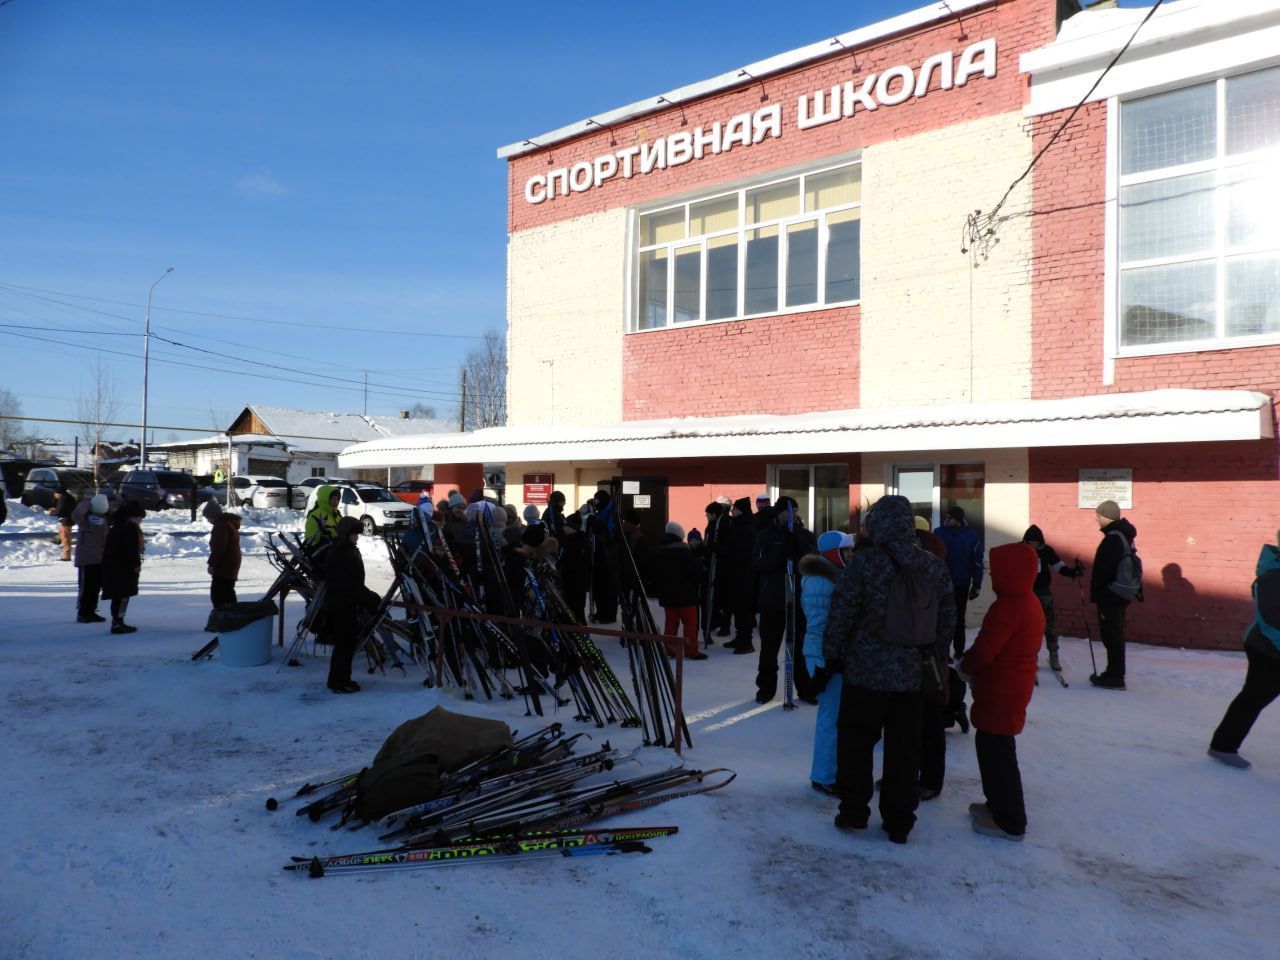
<point>538,486</point>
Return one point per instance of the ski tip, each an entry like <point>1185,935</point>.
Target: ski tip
<point>273,803</point>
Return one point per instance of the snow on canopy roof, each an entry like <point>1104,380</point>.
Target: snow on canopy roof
<point>1157,416</point>
<point>319,432</point>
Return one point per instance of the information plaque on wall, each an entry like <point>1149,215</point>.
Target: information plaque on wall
<point>1098,485</point>
<point>538,486</point>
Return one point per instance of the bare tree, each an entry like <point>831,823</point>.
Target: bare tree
<point>10,430</point>
<point>484,403</point>
<point>97,405</point>
<point>420,411</point>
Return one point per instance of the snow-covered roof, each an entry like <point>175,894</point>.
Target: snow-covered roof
<point>318,432</point>
<point>218,440</point>
<point>1157,416</point>
<point>750,73</point>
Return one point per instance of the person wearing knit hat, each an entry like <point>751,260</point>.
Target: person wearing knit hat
<point>724,501</point>
<point>779,544</point>
<point>1117,542</point>
<point>818,573</point>
<point>531,514</point>
<point>224,555</point>
<point>90,519</point>
<point>675,574</point>
<point>457,500</point>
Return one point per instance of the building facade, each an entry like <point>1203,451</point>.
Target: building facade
<point>929,256</point>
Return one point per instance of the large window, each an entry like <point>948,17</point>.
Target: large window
<point>789,245</point>
<point>1200,214</point>
<point>821,493</point>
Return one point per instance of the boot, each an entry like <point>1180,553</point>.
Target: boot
<point>119,626</point>
<point>962,718</point>
<point>1054,663</point>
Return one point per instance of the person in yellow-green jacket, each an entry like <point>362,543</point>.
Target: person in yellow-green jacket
<point>322,519</point>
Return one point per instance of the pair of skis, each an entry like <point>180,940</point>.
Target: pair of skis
<point>533,845</point>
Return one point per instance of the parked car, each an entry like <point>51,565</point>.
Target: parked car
<point>41,482</point>
<point>374,507</point>
<point>410,490</point>
<point>303,489</point>
<point>13,474</point>
<point>157,489</point>
<point>263,491</point>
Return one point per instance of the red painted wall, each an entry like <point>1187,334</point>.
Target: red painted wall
<point>786,364</point>
<point>1017,25</point>
<point>1202,513</point>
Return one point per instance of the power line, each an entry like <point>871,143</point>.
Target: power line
<point>151,427</point>
<point>226,316</point>
<point>978,228</point>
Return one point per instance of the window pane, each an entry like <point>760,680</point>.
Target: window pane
<point>1253,111</point>
<point>770,203</point>
<point>1253,205</point>
<point>793,482</point>
<point>844,239</point>
<point>1253,296</point>
<point>830,497</point>
<point>1167,218</point>
<point>662,227</point>
<point>833,189</point>
<point>713,216</point>
<point>688,283</point>
<point>802,263</point>
<point>653,289</point>
<point>962,485</point>
<point>917,486</point>
<point>1169,129</point>
<point>762,270</point>
<point>722,277</point>
<point>1168,304</point>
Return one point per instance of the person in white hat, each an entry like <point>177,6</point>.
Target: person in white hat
<point>90,518</point>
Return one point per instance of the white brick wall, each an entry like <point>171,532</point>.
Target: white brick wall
<point>566,302</point>
<point>921,296</point>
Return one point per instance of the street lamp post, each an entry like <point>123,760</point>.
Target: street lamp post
<point>146,365</point>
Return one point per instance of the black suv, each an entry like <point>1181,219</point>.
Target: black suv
<point>157,489</point>
<point>43,481</point>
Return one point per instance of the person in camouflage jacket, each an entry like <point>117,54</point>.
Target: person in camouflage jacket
<point>883,684</point>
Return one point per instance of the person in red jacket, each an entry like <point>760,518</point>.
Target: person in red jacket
<point>1001,668</point>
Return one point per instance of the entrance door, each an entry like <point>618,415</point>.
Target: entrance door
<point>648,497</point>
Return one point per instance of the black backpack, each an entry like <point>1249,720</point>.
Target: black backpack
<point>911,606</point>
<point>1128,582</point>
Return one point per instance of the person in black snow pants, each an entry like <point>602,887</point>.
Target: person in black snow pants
<point>122,562</point>
<point>1118,535</point>
<point>1049,562</point>
<point>739,578</point>
<point>964,560</point>
<point>776,545</point>
<point>1262,647</point>
<point>345,595</point>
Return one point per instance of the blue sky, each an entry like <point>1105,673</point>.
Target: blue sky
<point>300,165</point>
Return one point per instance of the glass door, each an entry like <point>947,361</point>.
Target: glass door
<point>793,481</point>
<point>917,485</point>
<point>821,493</point>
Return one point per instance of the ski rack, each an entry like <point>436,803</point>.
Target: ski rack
<point>672,645</point>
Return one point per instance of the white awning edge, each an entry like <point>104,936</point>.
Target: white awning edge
<point>1156,416</point>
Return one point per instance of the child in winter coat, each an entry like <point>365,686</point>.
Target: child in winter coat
<point>1001,667</point>
<point>90,517</point>
<point>224,554</point>
<point>122,562</point>
<point>322,519</point>
<point>1049,561</point>
<point>818,572</point>
<point>675,572</point>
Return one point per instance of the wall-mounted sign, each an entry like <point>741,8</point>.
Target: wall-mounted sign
<point>538,487</point>
<point>1097,485</point>
<point>891,86</point>
<point>640,501</point>
<point>630,487</point>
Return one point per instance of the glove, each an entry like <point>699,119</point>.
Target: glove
<point>821,677</point>
<point>973,592</point>
<point>1076,571</point>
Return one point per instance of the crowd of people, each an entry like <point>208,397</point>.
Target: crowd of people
<point>877,613</point>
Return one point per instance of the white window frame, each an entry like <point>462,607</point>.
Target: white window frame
<point>782,223</point>
<point>891,485</point>
<point>775,491</point>
<point>1221,165</point>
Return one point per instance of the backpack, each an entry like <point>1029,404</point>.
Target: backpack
<point>911,607</point>
<point>1128,582</point>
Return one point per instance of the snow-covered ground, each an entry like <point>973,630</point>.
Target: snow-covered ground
<point>134,780</point>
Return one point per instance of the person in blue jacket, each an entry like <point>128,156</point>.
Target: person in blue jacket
<point>1262,647</point>
<point>964,560</point>
<point>818,572</point>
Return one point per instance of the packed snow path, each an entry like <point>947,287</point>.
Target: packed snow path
<point>134,787</point>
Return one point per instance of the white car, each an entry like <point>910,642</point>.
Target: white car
<point>260,490</point>
<point>375,507</point>
<point>304,490</point>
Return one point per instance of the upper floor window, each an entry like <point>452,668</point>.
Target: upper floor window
<point>1200,214</point>
<point>792,244</point>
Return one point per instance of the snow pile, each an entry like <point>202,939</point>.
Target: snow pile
<point>135,779</point>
